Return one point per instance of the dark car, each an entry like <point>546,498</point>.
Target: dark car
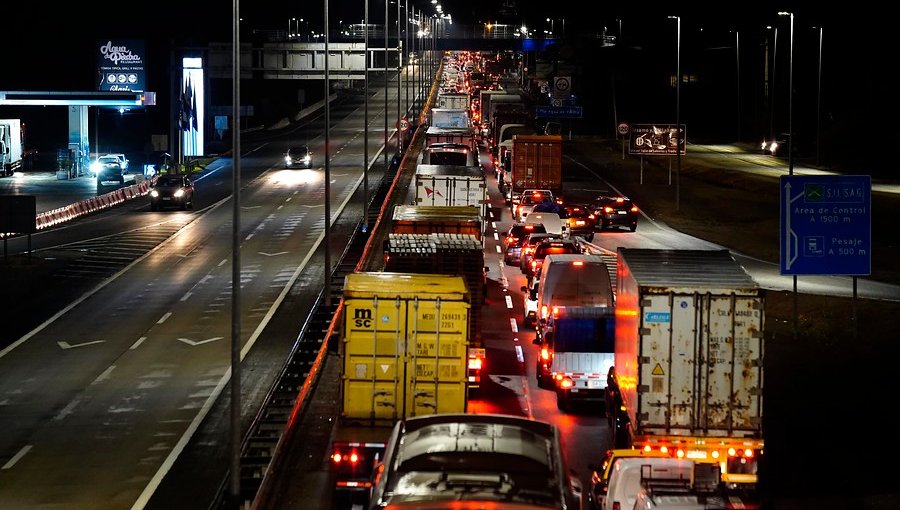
<point>533,269</point>
<point>514,238</point>
<point>172,191</point>
<point>108,168</point>
<point>298,156</point>
<point>614,211</point>
<point>581,221</point>
<point>530,244</point>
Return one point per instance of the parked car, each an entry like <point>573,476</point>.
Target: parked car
<point>614,211</point>
<point>514,238</point>
<point>172,190</point>
<point>298,156</point>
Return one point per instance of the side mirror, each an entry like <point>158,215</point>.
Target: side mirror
<point>524,288</point>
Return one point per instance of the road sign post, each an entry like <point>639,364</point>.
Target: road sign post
<point>826,225</point>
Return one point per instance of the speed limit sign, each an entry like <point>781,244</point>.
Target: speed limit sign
<point>623,128</point>
<point>404,124</point>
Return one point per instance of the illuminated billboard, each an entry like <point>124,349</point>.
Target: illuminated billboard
<point>120,65</point>
<point>190,113</point>
<point>657,139</point>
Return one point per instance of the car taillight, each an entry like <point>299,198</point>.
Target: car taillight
<point>576,263</point>
<point>565,383</point>
<point>616,506</point>
<point>474,363</point>
<point>607,209</point>
<point>634,208</point>
<point>546,354</point>
<point>591,216</point>
<point>511,240</point>
<point>534,264</point>
<point>620,200</point>
<point>544,311</point>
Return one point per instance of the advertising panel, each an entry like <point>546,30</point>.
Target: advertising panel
<point>657,139</point>
<point>191,112</point>
<point>120,65</point>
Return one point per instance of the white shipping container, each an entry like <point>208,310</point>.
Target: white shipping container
<point>689,343</point>
<point>451,185</point>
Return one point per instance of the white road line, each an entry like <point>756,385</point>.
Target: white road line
<point>509,302</point>
<point>496,236</point>
<point>279,207</point>
<point>222,263</point>
<point>15,458</point>
<point>288,199</point>
<point>105,375</point>
<point>66,411</point>
<point>519,355</point>
<point>186,296</point>
<point>513,326</point>
<point>494,225</point>
<point>164,317</point>
<point>498,249</point>
<point>249,236</point>
<point>138,343</point>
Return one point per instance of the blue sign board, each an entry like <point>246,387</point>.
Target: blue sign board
<point>558,112</point>
<point>826,224</point>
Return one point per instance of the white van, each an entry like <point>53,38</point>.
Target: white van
<point>625,480</point>
<point>553,224</point>
<point>573,280</point>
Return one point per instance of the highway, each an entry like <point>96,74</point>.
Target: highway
<point>102,398</point>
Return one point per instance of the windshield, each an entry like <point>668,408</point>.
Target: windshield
<point>169,182</point>
<point>585,335</point>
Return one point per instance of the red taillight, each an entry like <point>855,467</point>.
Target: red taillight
<point>544,311</point>
<point>679,453</point>
<point>565,383</point>
<point>528,250</point>
<point>620,200</point>
<point>576,263</point>
<point>337,457</point>
<point>474,363</point>
<point>546,354</point>
<point>591,216</point>
<point>607,209</point>
<point>534,264</point>
<point>748,453</point>
<point>556,311</point>
<point>511,240</point>
<point>354,458</point>
<point>634,208</point>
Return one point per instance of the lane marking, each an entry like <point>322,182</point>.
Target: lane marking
<point>65,411</point>
<point>164,317</point>
<point>498,249</point>
<point>494,225</point>
<point>104,376</point>
<point>496,236</point>
<point>513,326</point>
<point>18,456</point>
<point>186,296</point>
<point>509,303</point>
<point>138,343</point>
<point>519,355</point>
<point>222,263</point>
<point>249,236</point>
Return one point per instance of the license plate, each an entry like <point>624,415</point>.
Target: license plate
<point>623,212</point>
<point>166,198</point>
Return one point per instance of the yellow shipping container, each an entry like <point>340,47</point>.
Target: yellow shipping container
<point>404,345</point>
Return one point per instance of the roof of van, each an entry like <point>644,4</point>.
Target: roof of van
<point>599,281</point>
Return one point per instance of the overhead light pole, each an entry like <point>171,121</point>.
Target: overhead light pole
<point>819,102</point>
<point>327,167</point>
<point>366,118</point>
<point>386,85</point>
<point>399,81</point>
<point>791,136</point>
<point>677,113</point>
<point>234,486</point>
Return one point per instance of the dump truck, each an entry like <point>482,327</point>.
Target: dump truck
<point>404,348</point>
<point>688,371</point>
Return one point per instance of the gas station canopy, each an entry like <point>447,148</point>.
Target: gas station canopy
<point>98,98</point>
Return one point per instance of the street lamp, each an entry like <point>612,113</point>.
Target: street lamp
<point>819,102</point>
<point>791,138</point>
<point>366,119</point>
<point>677,113</point>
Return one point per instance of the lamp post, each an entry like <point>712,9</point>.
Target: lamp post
<point>737,66</point>
<point>791,136</point>
<point>327,167</point>
<point>366,118</point>
<point>234,486</point>
<point>819,102</point>
<point>386,85</point>
<point>399,81</point>
<point>677,113</point>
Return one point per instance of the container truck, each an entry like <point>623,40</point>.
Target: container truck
<point>449,118</point>
<point>464,136</point>
<point>688,373</point>
<point>404,348</point>
<point>450,254</point>
<point>453,100</point>
<point>451,185</point>
<point>12,146</point>
<point>428,219</point>
<point>536,164</point>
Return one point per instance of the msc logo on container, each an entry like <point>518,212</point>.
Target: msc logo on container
<point>362,318</point>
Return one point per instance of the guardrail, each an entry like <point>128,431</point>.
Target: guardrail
<point>84,207</point>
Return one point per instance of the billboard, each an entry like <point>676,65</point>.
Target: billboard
<point>657,139</point>
<point>120,65</point>
<point>191,110</point>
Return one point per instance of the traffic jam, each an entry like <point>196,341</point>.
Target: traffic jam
<point>490,259</point>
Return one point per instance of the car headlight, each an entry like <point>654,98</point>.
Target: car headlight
<point>95,167</point>
<point>287,159</point>
<point>179,193</point>
<point>154,193</point>
<point>306,159</point>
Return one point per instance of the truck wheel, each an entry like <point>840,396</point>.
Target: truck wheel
<point>562,401</point>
